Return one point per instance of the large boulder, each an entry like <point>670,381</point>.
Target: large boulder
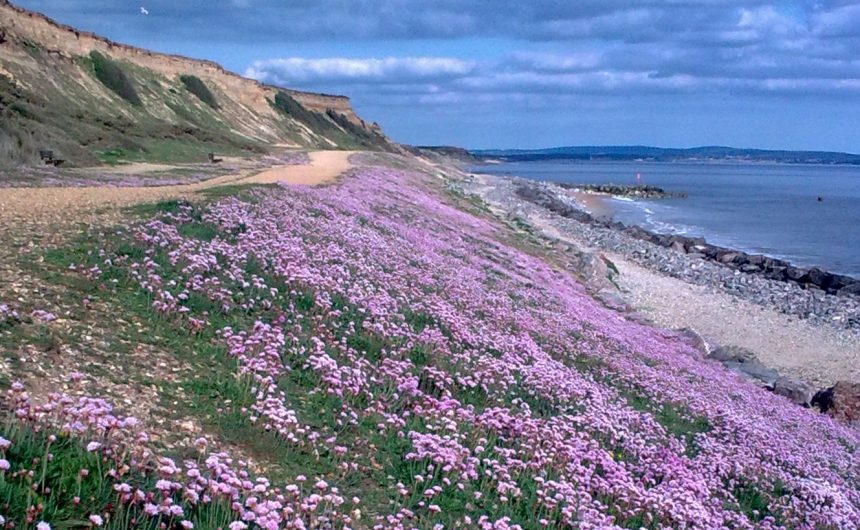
<point>745,362</point>
<point>841,401</point>
<point>755,372</point>
<point>820,278</point>
<point>699,342</point>
<point>852,289</point>
<point>797,274</point>
<point>796,391</point>
<point>729,257</point>
<point>730,353</point>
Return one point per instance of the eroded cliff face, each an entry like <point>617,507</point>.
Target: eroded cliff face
<point>51,97</point>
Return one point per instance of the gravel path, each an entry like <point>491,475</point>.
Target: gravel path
<point>23,205</point>
<point>35,217</point>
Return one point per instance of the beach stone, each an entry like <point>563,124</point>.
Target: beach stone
<point>852,289</point>
<point>841,401</point>
<point>818,277</point>
<point>796,391</point>
<point>729,257</point>
<point>737,354</point>
<point>613,301</point>
<point>677,246</point>
<point>698,341</point>
<point>696,255</point>
<point>777,273</point>
<point>797,274</point>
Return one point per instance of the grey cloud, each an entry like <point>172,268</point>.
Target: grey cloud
<point>612,47</point>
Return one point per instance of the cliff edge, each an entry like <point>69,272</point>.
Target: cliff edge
<point>90,99</point>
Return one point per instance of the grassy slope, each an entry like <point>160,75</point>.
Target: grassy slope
<point>97,109</point>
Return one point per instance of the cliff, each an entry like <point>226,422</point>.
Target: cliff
<point>63,89</point>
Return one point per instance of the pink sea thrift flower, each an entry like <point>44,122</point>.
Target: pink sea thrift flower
<point>96,520</point>
<point>44,316</point>
<point>93,446</point>
<point>4,464</point>
<point>43,526</point>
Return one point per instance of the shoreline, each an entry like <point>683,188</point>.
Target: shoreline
<point>808,336</point>
<point>598,206</point>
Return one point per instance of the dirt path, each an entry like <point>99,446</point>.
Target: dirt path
<point>29,204</point>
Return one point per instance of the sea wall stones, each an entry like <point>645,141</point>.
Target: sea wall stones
<point>814,278</point>
<point>638,192</point>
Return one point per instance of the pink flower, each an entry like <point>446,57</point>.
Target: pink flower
<point>93,446</point>
<point>4,464</point>
<point>4,444</point>
<point>44,316</point>
<point>187,525</point>
<point>96,520</point>
<point>238,525</point>
<point>43,526</point>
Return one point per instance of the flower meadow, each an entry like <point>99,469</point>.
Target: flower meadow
<point>416,365</point>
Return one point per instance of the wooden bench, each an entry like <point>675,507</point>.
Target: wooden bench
<point>48,158</point>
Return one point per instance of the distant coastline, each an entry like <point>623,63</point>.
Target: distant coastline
<point>703,155</point>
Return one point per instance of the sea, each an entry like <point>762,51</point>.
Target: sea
<point>770,209</point>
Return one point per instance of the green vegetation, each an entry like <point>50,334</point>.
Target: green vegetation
<point>197,87</point>
<point>367,137</point>
<point>112,76</point>
<point>52,479</point>
<point>314,120</point>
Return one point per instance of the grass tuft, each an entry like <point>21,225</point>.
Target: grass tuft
<point>112,76</point>
<point>197,87</point>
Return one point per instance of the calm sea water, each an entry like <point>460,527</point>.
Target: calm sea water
<point>758,208</point>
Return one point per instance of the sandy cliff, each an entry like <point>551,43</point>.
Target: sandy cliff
<point>47,76</point>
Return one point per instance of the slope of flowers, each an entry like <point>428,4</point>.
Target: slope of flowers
<point>77,456</point>
<point>487,386</point>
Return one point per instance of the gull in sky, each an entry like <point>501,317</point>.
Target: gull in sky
<point>144,11</point>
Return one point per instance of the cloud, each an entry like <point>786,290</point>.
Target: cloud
<point>297,70</point>
<point>467,56</point>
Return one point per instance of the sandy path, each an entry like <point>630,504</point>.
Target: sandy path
<point>45,204</point>
<point>790,345</point>
<point>139,168</point>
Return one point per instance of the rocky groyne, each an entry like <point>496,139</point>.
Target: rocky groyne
<point>812,279</point>
<point>633,192</point>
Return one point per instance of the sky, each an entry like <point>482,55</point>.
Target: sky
<point>532,73</point>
